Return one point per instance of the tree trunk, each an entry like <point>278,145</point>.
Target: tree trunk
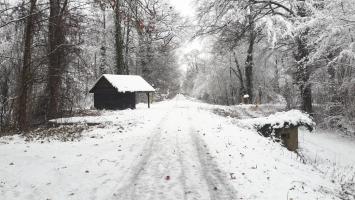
<point>148,57</point>
<point>4,98</point>
<point>118,39</point>
<point>249,63</point>
<point>303,71</point>
<point>239,73</point>
<point>276,85</point>
<point>103,65</point>
<point>128,31</point>
<point>56,56</point>
<point>25,79</point>
<point>286,93</point>
<point>332,84</point>
<point>302,74</point>
<point>307,98</point>
<point>145,54</point>
<point>141,52</point>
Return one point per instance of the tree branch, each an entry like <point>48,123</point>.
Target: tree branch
<point>277,4</point>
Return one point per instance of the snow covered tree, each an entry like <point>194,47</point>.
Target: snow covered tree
<point>240,23</point>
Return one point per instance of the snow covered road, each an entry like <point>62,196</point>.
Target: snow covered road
<point>175,165</point>
<point>177,150</point>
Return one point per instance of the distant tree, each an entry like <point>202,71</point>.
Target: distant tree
<point>240,22</point>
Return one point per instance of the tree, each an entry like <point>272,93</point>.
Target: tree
<point>239,24</point>
<point>103,48</point>
<point>303,71</point>
<point>249,63</point>
<point>120,66</point>
<point>119,14</point>
<point>25,82</point>
<point>56,54</point>
<point>49,58</point>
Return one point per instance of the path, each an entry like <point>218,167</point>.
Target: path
<point>175,164</point>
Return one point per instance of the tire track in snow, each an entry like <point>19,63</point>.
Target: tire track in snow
<point>183,174</point>
<point>177,151</point>
<point>218,187</point>
<point>158,179</point>
<point>127,191</point>
<point>194,184</point>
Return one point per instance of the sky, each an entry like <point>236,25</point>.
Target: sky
<point>187,10</point>
<point>184,7</point>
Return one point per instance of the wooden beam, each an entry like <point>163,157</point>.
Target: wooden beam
<point>148,99</point>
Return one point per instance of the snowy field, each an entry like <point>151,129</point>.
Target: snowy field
<point>178,149</point>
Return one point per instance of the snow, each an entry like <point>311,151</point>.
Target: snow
<point>331,153</point>
<point>246,96</point>
<point>89,169</point>
<point>259,168</point>
<point>178,149</point>
<point>128,83</point>
<point>280,119</point>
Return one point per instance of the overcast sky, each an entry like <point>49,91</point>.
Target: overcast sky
<point>186,10</point>
<point>184,7</point>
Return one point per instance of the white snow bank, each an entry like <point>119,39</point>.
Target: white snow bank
<point>257,167</point>
<point>292,118</point>
<point>332,154</point>
<point>106,117</point>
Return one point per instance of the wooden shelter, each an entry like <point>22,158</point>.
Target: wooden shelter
<point>118,92</point>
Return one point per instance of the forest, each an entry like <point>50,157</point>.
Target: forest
<point>296,53</point>
<point>53,51</point>
<point>300,54</point>
<point>177,99</point>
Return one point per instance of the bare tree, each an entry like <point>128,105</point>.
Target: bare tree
<point>56,54</point>
<point>25,82</point>
<point>242,31</point>
<point>249,63</point>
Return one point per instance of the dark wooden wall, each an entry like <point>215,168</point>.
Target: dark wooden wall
<point>115,101</point>
<point>107,97</point>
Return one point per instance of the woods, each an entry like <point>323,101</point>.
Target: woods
<point>177,99</point>
<point>53,51</point>
<point>288,52</point>
<point>299,54</point>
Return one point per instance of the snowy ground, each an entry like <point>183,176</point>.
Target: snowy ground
<point>179,149</point>
<point>333,155</point>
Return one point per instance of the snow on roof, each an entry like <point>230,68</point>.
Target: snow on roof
<point>127,83</point>
<point>292,118</point>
